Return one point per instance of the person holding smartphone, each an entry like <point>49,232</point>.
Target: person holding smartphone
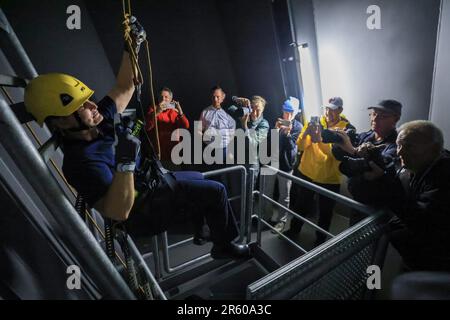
<point>318,165</point>
<point>170,117</point>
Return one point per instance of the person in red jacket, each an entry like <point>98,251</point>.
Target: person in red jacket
<point>170,117</point>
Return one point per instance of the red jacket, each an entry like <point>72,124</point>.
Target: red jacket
<point>168,121</point>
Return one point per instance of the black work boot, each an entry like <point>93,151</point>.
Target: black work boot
<point>230,250</point>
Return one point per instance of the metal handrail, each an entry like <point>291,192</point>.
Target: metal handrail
<point>282,235</point>
<point>156,257</point>
<point>166,258</point>
<point>327,193</point>
<point>312,224</point>
<point>262,184</point>
<point>249,211</point>
<point>243,171</point>
<point>277,274</point>
<point>165,243</point>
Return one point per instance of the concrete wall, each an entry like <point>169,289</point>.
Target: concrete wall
<point>250,38</point>
<point>52,47</point>
<point>196,44</point>
<point>364,66</point>
<point>440,114</point>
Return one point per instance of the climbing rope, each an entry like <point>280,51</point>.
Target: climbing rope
<point>137,73</point>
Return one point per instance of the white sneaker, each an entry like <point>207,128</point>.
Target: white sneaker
<point>279,227</point>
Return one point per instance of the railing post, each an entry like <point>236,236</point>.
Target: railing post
<point>165,252</point>
<point>262,182</point>
<point>243,204</point>
<point>156,257</point>
<point>249,209</point>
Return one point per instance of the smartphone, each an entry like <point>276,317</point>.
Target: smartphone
<point>315,120</point>
<point>169,105</point>
<point>284,123</point>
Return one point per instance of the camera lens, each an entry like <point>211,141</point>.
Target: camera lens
<point>353,167</point>
<point>329,136</point>
<point>242,111</point>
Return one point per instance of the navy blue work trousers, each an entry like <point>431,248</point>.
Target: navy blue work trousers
<point>203,199</point>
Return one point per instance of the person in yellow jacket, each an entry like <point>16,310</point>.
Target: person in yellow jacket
<point>318,165</point>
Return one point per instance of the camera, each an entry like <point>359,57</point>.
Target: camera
<point>357,166</point>
<point>239,111</point>
<point>330,136</point>
<point>243,111</point>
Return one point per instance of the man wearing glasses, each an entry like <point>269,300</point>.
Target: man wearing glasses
<point>370,163</point>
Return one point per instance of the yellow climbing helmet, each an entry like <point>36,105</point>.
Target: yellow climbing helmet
<point>55,94</point>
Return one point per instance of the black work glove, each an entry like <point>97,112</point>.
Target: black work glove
<point>126,145</point>
<point>137,33</point>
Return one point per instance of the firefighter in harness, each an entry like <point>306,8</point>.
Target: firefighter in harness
<point>101,154</point>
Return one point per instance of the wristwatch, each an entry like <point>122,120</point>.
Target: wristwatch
<point>125,167</point>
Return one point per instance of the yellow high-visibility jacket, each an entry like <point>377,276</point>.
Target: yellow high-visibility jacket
<point>318,162</point>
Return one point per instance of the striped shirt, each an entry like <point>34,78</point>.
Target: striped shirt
<point>217,121</point>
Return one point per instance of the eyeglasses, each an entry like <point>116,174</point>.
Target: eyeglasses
<point>374,115</point>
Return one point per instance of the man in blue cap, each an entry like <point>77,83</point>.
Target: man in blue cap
<point>289,129</point>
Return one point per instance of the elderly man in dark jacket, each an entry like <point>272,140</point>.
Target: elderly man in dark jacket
<point>424,208</point>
